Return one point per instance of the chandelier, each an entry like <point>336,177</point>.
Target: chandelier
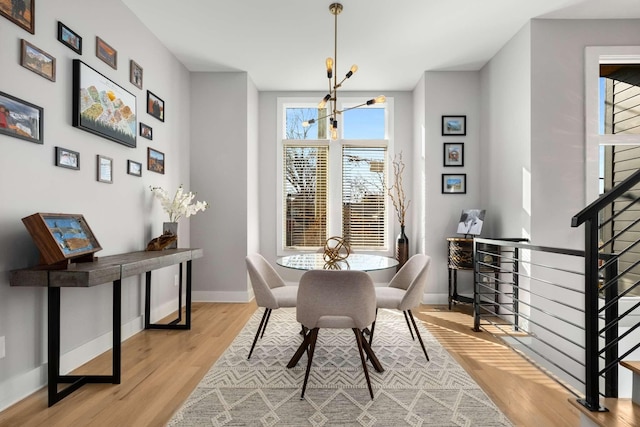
<point>332,96</point>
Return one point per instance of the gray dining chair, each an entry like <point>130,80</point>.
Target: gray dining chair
<point>404,293</point>
<point>335,299</point>
<point>269,289</point>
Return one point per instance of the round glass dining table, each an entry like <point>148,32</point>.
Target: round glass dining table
<point>315,261</point>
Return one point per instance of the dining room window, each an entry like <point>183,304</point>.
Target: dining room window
<point>333,187</point>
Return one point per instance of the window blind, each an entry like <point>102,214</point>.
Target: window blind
<point>364,196</point>
<point>305,186</point>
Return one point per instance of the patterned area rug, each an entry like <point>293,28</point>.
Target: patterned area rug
<point>263,392</point>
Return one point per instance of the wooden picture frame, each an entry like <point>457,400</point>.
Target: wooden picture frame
<point>61,237</point>
<point>155,106</point>
<point>105,169</point>
<point>21,13</point>
<point>453,153</point>
<point>454,183</point>
<point>69,38</point>
<point>155,160</point>
<point>454,125</point>
<point>66,158</point>
<point>37,60</point>
<point>135,74</point>
<point>106,53</point>
<point>146,131</point>
<point>94,93</point>
<point>21,119</point>
<point>134,168</point>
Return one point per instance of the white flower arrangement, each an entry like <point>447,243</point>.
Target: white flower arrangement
<point>181,205</point>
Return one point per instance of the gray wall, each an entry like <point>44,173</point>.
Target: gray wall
<point>123,215</point>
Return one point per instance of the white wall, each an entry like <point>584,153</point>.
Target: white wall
<point>450,93</point>
<point>123,215</point>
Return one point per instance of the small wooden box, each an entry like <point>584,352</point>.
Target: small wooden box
<point>61,237</point>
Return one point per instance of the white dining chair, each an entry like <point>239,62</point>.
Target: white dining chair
<point>269,289</point>
<point>404,293</point>
<point>335,299</point>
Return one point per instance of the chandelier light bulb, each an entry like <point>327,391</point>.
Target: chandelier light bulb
<point>334,134</point>
<point>353,69</point>
<point>329,63</point>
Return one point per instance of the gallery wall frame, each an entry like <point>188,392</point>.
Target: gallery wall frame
<point>134,168</point>
<point>453,154</point>
<point>37,60</point>
<point>61,237</point>
<point>105,169</point>
<point>155,106</point>
<point>66,158</point>
<point>94,93</point>
<point>21,119</point>
<point>21,13</point>
<point>69,38</point>
<point>146,131</point>
<point>454,183</point>
<point>135,74</point>
<point>155,160</point>
<point>106,53</point>
<point>454,125</point>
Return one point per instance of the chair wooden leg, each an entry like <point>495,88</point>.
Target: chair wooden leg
<point>359,340</point>
<point>408,324</point>
<point>304,346</point>
<point>265,318</point>
<point>373,327</point>
<point>313,336</point>
<point>418,334</point>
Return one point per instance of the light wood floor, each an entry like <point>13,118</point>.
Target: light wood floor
<point>161,368</point>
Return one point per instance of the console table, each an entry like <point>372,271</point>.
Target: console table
<point>100,271</point>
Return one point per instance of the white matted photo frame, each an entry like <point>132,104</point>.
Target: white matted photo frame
<point>453,154</point>
<point>105,169</point>
<point>454,183</point>
<point>454,125</point>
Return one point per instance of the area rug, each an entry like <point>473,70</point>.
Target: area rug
<point>263,392</point>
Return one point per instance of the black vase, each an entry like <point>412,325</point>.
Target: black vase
<point>402,248</point>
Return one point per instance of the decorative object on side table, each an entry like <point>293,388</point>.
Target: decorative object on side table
<point>400,204</point>
<point>178,206</point>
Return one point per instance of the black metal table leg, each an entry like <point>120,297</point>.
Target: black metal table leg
<point>174,324</point>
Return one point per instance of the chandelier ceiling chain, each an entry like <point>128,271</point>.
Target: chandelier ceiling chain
<point>332,96</point>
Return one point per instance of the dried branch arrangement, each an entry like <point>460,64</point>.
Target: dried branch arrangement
<point>396,191</point>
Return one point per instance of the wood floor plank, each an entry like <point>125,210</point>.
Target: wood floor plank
<point>161,368</point>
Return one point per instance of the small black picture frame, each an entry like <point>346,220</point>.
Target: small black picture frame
<point>134,168</point>
<point>155,106</point>
<point>66,158</point>
<point>454,125</point>
<point>453,153</point>
<point>69,38</point>
<point>135,74</point>
<point>146,131</point>
<point>155,160</point>
<point>454,183</point>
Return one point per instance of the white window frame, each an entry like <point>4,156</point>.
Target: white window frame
<point>334,185</point>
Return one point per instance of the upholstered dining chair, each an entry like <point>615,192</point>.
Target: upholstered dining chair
<point>404,293</point>
<point>335,299</point>
<point>269,289</point>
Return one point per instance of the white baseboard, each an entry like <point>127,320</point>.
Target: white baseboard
<point>206,296</point>
<point>17,388</point>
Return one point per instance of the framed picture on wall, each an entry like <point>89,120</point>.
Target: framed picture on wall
<point>37,60</point>
<point>105,169</point>
<point>20,119</point>
<point>135,74</point>
<point>155,160</point>
<point>22,13</point>
<point>66,158</point>
<point>454,183</point>
<point>95,94</point>
<point>453,154</point>
<point>146,131</point>
<point>134,168</point>
<point>69,38</point>
<point>454,125</point>
<point>105,52</point>
<point>155,106</point>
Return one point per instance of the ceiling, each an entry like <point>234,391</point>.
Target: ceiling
<point>283,44</point>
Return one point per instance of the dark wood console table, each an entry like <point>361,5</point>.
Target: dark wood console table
<point>103,270</point>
